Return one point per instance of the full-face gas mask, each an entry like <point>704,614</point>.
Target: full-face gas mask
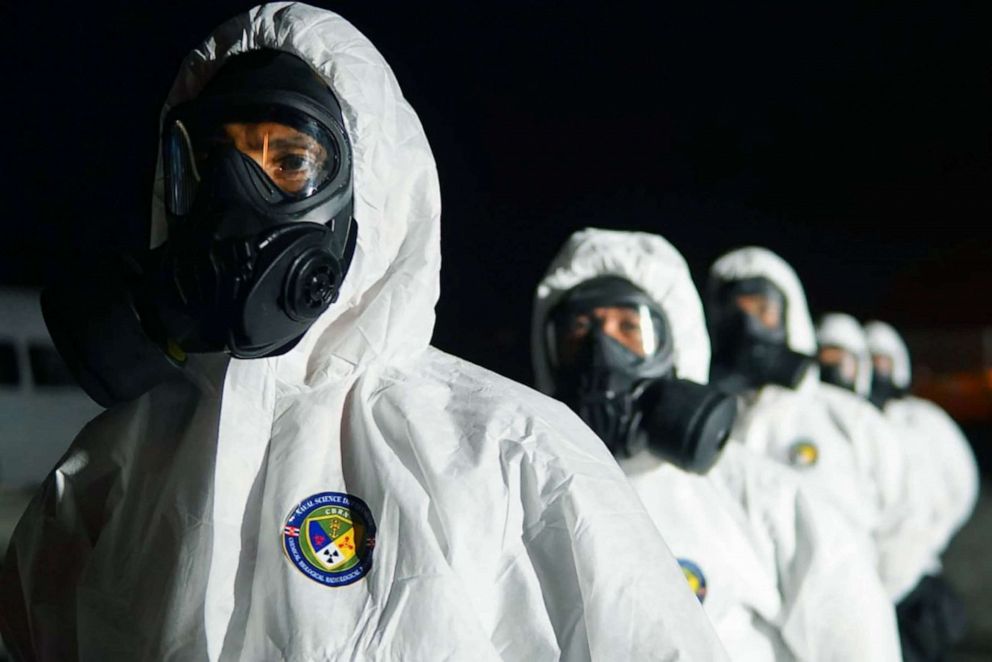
<point>258,194</point>
<point>611,352</point>
<point>883,388</point>
<point>839,366</point>
<point>746,320</point>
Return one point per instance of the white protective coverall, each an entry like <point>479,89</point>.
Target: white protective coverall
<point>843,331</point>
<point>839,444</point>
<point>780,578</point>
<point>503,529</point>
<point>941,460</point>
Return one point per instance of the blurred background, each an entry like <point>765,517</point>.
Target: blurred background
<point>854,140</point>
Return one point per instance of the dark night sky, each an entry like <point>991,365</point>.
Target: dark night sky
<point>854,141</point>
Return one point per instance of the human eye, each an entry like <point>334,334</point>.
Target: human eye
<point>579,326</point>
<point>292,163</point>
<point>293,170</point>
<point>630,322</point>
<point>629,326</point>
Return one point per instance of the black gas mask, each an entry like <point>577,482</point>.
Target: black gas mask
<point>839,367</point>
<point>258,194</point>
<point>611,352</point>
<point>883,388</point>
<point>746,320</point>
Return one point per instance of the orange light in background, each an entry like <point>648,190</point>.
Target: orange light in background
<point>966,396</point>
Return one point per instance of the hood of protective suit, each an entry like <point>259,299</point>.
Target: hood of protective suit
<point>647,261</point>
<point>363,496</point>
<point>884,339</point>
<point>841,330</point>
<point>386,307</point>
<point>756,262</point>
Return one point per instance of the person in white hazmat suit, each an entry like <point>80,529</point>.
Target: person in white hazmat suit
<point>845,362</point>
<point>360,495</point>
<point>953,473</point>
<point>617,314</point>
<point>943,472</point>
<point>930,612</point>
<point>843,451</point>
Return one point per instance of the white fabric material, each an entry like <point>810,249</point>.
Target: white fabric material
<point>859,469</point>
<point>860,465</point>
<point>885,340</point>
<point>775,420</point>
<point>941,461</point>
<point>843,331</point>
<point>942,466</point>
<point>786,580</point>
<point>504,529</point>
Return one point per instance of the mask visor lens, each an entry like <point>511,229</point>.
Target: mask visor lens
<point>297,152</point>
<point>635,327</point>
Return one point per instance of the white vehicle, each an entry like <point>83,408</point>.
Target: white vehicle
<point>41,406</point>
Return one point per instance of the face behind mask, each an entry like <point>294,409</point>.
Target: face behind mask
<point>746,321</point>
<point>258,193</point>
<point>612,355</point>
<point>883,389</point>
<point>838,367</point>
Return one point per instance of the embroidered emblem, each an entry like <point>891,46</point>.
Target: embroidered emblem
<point>694,575</point>
<point>803,454</point>
<point>330,538</point>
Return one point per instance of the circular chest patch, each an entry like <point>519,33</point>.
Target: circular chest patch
<point>694,575</point>
<point>330,538</point>
<point>803,454</point>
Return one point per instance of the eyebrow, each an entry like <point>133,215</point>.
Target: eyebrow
<point>278,143</point>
